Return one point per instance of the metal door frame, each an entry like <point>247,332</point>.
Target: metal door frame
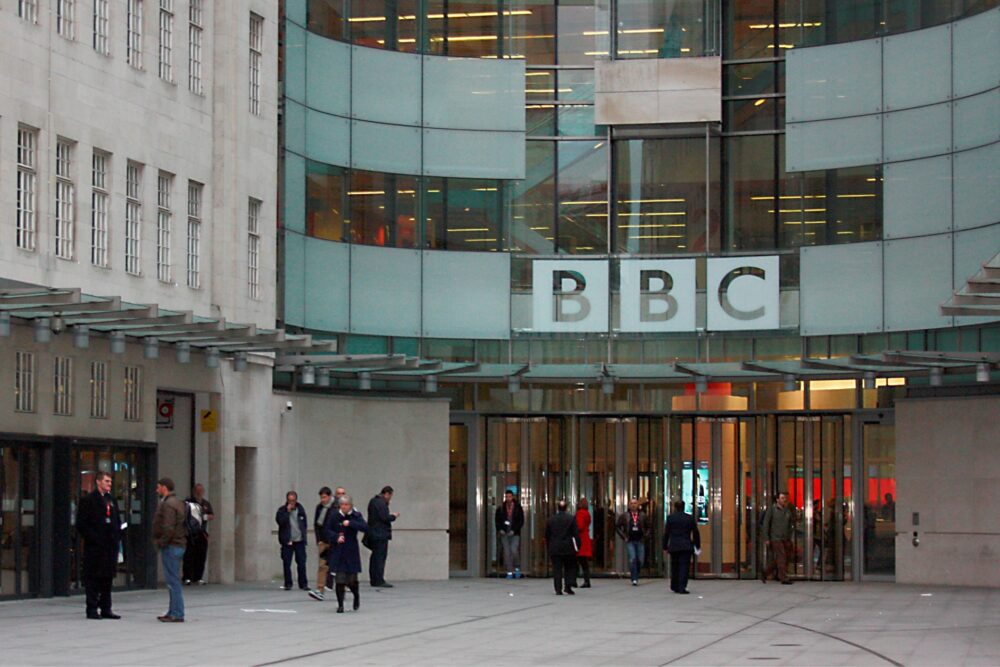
<point>859,478</point>
<point>474,499</point>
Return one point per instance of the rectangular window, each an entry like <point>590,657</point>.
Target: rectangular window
<point>64,18</point>
<point>194,47</point>
<point>256,57</point>
<point>24,381</point>
<point>133,34</point>
<point>133,394</point>
<point>28,10</point>
<point>253,249</point>
<point>164,183</point>
<point>100,27</point>
<point>99,389</point>
<point>166,39</point>
<point>63,386</point>
<point>194,235</point>
<point>99,209</point>
<point>133,218</point>
<point>27,180</point>
<point>65,205</point>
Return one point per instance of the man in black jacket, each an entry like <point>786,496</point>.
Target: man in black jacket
<point>324,507</point>
<point>99,525</point>
<point>680,539</point>
<point>563,539</point>
<point>292,529</point>
<point>509,519</point>
<point>379,533</point>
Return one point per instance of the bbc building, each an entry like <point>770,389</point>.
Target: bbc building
<point>698,251</point>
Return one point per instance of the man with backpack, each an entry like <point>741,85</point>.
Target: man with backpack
<point>199,513</point>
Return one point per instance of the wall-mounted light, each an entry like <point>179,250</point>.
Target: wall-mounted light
<point>323,377</point>
<point>431,384</point>
<point>117,342</point>
<point>307,375</point>
<point>869,380</point>
<point>514,384</point>
<point>4,324</point>
<point>364,381</point>
<point>81,336</point>
<point>240,362</point>
<point>607,385</point>
<point>58,324</point>
<point>212,357</point>
<point>982,372</point>
<point>791,384</point>
<point>151,347</point>
<point>936,376</point>
<point>183,352</point>
<point>701,384</point>
<point>43,334</point>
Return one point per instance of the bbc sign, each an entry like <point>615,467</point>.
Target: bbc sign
<point>656,295</point>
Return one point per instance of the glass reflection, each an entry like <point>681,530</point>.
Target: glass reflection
<point>384,24</point>
<point>325,201</point>
<point>666,29</point>
<point>462,214</point>
<point>383,209</point>
<point>583,197</point>
<point>532,201</point>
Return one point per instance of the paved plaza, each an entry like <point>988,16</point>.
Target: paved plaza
<point>497,622</point>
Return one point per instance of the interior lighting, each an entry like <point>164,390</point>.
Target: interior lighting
<point>151,348</point>
<point>654,201</point>
<point>759,102</point>
<point>81,337</point>
<point>307,375</point>
<point>469,229</point>
<point>869,380</point>
<point>240,362</point>
<point>640,31</point>
<point>117,342</point>
<point>212,357</point>
<point>364,381</point>
<point>936,374</point>
<point>771,197</point>
<point>183,352</point>
<point>856,196</point>
<point>323,377</point>
<point>43,334</point>
<point>658,236</point>
<point>365,193</point>
<point>982,372</point>
<point>4,324</point>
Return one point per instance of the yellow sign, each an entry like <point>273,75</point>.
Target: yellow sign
<point>209,421</point>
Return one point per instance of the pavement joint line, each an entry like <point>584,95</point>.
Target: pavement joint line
<point>399,636</point>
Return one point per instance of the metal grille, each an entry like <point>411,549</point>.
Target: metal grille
<point>24,381</point>
<point>99,389</point>
<point>63,386</point>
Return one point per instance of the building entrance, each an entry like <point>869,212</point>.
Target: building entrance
<point>727,469</point>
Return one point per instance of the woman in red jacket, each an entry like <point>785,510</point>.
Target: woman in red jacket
<point>586,551</point>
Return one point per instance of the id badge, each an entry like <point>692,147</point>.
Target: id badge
<point>107,519</point>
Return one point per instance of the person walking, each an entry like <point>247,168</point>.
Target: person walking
<point>633,527</point>
<point>324,506</point>
<point>681,540</point>
<point>98,523</point>
<point>776,531</point>
<point>586,551</point>
<point>509,519</point>
<point>562,538</point>
<point>170,535</point>
<point>342,528</point>
<point>379,533</point>
<point>292,527</point>
<point>197,548</point>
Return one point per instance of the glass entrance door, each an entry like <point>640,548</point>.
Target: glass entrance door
<point>19,511</point>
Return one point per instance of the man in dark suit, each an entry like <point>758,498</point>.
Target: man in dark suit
<point>509,519</point>
<point>379,533</point>
<point>563,539</point>
<point>680,540</point>
<point>99,525</point>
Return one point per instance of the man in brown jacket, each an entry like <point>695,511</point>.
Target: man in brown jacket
<point>170,536</point>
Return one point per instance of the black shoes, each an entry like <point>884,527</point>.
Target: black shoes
<point>786,582</point>
<point>94,617</point>
<point>559,593</point>
<point>384,584</point>
<point>357,604</point>
<point>683,592</point>
<point>109,615</point>
<point>569,591</point>
<point>340,608</point>
<point>169,619</point>
<point>586,584</point>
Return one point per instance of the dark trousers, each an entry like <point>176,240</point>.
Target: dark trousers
<point>98,595</point>
<point>777,561</point>
<point>680,567</point>
<point>194,558</point>
<point>376,563</point>
<point>298,549</point>
<point>563,572</point>
<point>584,563</point>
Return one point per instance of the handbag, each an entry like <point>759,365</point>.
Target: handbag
<point>366,541</point>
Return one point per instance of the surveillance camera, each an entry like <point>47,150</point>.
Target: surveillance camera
<point>288,406</point>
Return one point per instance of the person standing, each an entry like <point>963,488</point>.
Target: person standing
<point>292,527</point>
<point>170,535</point>
<point>633,527</point>
<point>681,540</point>
<point>586,551</point>
<point>379,533</point>
<point>98,523</point>
<point>345,557</point>
<point>197,548</point>
<point>776,531</point>
<point>509,519</point>
<point>562,538</point>
<point>322,541</point>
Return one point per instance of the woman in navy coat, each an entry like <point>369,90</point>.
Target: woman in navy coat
<point>344,557</point>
